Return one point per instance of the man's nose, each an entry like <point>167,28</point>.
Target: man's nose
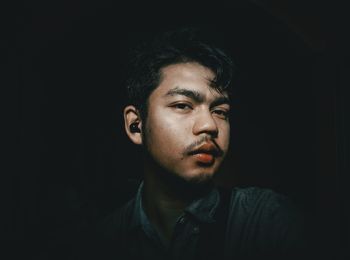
<point>205,123</point>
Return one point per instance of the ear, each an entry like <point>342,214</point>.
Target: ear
<point>132,116</point>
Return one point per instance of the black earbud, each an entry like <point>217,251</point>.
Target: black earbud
<point>134,128</point>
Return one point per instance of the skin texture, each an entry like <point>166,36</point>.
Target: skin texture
<point>177,123</point>
<point>184,114</point>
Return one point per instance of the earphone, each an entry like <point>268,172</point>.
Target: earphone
<point>134,128</point>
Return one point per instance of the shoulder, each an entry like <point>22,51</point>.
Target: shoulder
<point>253,199</point>
<point>265,207</point>
<point>269,220</point>
<point>250,194</point>
<point>105,241</point>
<point>116,221</point>
<point>119,218</point>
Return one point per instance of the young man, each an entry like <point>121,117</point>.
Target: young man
<point>179,106</point>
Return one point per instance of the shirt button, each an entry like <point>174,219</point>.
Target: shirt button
<point>195,230</point>
<point>181,220</point>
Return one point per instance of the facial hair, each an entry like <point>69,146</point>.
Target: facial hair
<point>181,187</point>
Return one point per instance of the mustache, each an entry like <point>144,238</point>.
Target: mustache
<point>203,140</point>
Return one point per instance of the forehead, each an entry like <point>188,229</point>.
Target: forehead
<point>191,76</point>
<point>189,71</point>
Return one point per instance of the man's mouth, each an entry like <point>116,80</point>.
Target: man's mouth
<point>204,158</point>
<point>205,154</point>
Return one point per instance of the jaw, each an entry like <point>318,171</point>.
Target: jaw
<point>180,186</point>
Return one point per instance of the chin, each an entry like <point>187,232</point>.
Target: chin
<point>197,185</point>
<point>199,178</point>
<point>189,184</point>
<point>184,178</point>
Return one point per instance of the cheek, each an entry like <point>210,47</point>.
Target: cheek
<point>165,134</point>
<point>225,138</point>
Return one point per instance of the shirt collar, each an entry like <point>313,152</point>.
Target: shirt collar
<point>138,212</point>
<point>203,209</point>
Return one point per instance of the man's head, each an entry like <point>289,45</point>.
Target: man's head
<point>179,93</point>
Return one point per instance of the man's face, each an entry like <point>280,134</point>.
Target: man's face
<point>187,129</point>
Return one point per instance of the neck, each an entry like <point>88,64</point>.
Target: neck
<point>165,197</point>
<point>162,206</point>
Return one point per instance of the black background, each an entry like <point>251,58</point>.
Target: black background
<point>69,160</point>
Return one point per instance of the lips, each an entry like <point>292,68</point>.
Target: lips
<point>206,153</point>
<point>204,158</point>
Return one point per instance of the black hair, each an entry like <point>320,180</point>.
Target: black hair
<point>174,47</point>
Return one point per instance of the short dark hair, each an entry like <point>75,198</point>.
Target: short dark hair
<point>174,47</point>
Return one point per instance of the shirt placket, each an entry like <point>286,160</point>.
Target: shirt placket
<point>185,238</point>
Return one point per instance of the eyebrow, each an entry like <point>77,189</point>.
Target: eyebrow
<point>219,101</point>
<point>196,96</point>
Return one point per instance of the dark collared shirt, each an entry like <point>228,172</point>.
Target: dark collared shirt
<point>260,223</point>
<point>186,233</point>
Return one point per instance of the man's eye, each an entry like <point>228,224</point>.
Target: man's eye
<point>182,106</point>
<point>221,113</point>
